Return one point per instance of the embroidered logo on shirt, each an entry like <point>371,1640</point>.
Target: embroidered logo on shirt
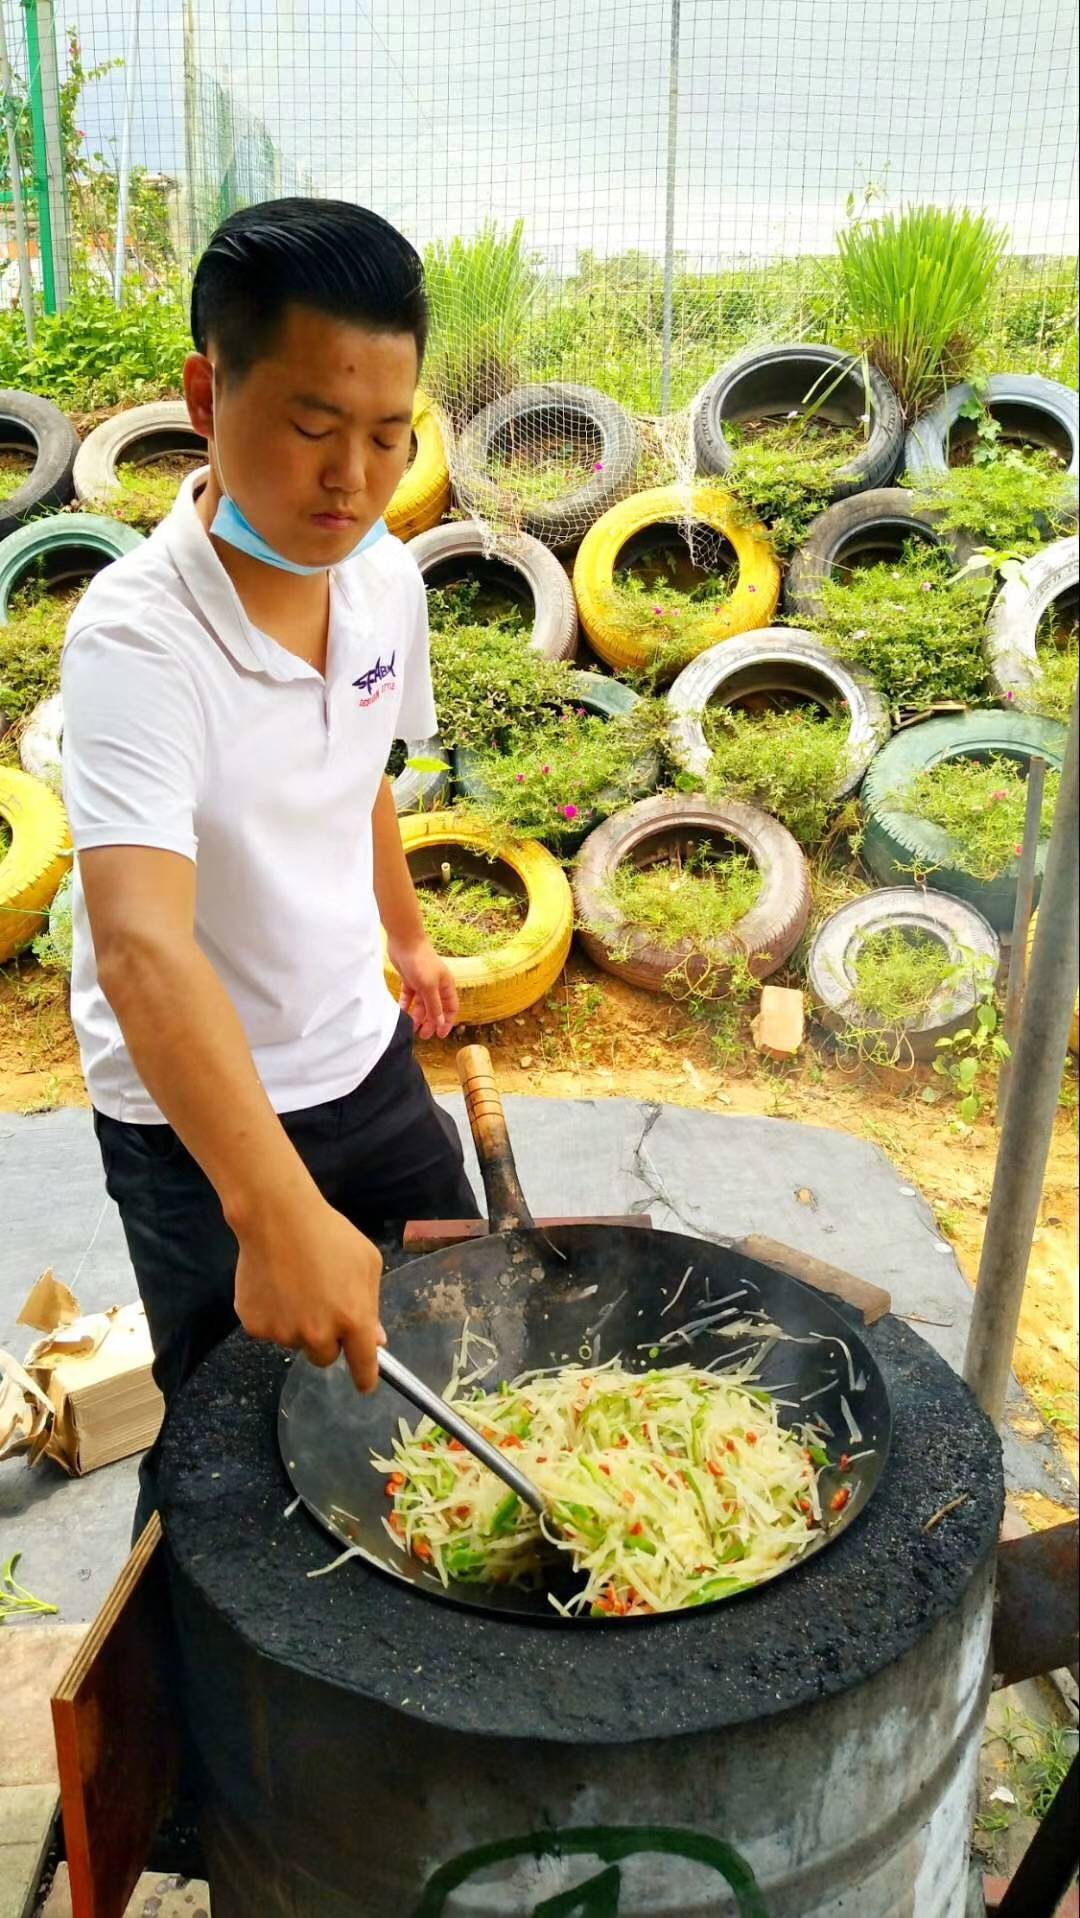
<point>372,684</point>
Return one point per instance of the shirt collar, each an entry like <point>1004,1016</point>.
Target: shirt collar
<point>360,583</point>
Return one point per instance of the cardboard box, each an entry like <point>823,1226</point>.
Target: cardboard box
<point>84,1394</point>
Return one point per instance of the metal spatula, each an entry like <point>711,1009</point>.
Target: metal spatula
<point>425,1400</point>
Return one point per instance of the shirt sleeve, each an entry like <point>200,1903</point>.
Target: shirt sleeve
<point>416,714</point>
<point>132,747</point>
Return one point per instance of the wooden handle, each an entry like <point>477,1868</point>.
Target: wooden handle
<point>507,1209</point>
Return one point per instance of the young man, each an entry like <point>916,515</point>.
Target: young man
<point>231,692</point>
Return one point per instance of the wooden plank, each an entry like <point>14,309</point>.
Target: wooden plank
<point>432,1235</point>
<point>117,1736</point>
<point>868,1299</point>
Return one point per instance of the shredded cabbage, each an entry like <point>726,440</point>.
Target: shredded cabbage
<point>672,1487</point>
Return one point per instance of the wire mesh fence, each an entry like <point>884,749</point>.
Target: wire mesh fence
<point>612,192</point>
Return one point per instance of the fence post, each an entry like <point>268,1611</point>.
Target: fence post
<point>669,209</point>
<point>1028,1121</point>
<point>123,185</point>
<point>22,244</point>
<point>48,154</point>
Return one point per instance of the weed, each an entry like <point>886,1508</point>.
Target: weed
<point>98,354</point>
<point>148,493</point>
<point>30,647</point>
<point>486,677</point>
<point>790,762</point>
<point>980,804</point>
<point>46,1100</point>
<point>480,291</point>
<point>551,776</point>
<point>696,898</point>
<point>912,625</point>
<point>536,475</point>
<point>784,476</point>
<point>949,1221</point>
<point>465,918</point>
<point>919,286</point>
<point>671,624</point>
<point>1011,501</point>
<point>15,1600</point>
<point>898,976</point>
<point>1041,1757</point>
<point>971,1060</point>
<point>1057,645</point>
<point>15,470</point>
<point>52,948</point>
<point>1058,1409</point>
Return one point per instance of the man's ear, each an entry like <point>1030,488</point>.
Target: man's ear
<point>199,393</point>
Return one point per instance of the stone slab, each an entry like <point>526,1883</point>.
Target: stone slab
<point>27,1813</point>
<point>33,1658</point>
<point>153,1897</point>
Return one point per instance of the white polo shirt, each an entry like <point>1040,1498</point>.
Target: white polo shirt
<point>187,728</point>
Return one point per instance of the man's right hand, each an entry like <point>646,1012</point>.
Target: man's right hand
<point>307,1278</point>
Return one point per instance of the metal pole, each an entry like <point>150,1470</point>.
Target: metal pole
<point>1025,894</point>
<point>123,185</point>
<point>41,167</point>
<point>669,209</point>
<point>54,148</point>
<point>1029,1115</point>
<point>22,244</point>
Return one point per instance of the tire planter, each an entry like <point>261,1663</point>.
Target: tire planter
<point>528,409</point>
<point>834,951</point>
<point>1011,629</point>
<point>1074,1029</point>
<point>522,566</point>
<point>136,437</point>
<point>895,842</point>
<point>65,549</point>
<point>1041,412</point>
<point>777,659</point>
<point>31,424</point>
<point>512,977</point>
<point>423,495</point>
<point>608,699</point>
<point>870,528</point>
<point>416,791</point>
<point>36,861</point>
<point>751,604</point>
<point>39,746</point>
<point>769,382</point>
<point>645,833</point>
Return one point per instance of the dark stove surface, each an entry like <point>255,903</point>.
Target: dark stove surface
<point>822,1629</point>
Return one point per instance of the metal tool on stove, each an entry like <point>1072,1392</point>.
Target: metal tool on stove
<point>558,1296</point>
<point>451,1420</point>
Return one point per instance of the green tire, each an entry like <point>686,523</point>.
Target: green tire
<point>896,843</point>
<point>42,545</point>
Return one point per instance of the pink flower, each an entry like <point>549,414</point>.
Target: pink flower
<point>659,611</point>
<point>569,812</point>
<point>545,769</point>
<point>598,466</point>
<point>1018,850</point>
<point>1010,695</point>
<point>521,779</point>
<point>927,586</point>
<point>751,589</point>
<point>1000,794</point>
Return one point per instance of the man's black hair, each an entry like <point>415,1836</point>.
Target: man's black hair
<point>326,254</point>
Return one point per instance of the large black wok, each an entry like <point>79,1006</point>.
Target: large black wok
<point>592,1292</point>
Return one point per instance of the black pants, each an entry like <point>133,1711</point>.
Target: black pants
<point>382,1154</point>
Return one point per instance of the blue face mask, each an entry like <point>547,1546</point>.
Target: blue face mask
<point>231,525</point>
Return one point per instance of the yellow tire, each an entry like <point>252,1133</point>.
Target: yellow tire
<point>423,495</point>
<point>36,860</point>
<point>512,977</point>
<point>1074,1029</point>
<point>752,603</point>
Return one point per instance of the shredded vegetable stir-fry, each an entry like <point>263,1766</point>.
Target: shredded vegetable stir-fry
<point>672,1487</point>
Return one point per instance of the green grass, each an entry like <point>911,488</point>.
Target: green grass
<point>486,679</point>
<point>914,628</point>
<point>671,623</point>
<point>30,646</point>
<point>549,776</point>
<point>1041,1756</point>
<point>466,917</point>
<point>784,474</point>
<point>898,975</point>
<point>980,804</point>
<point>920,287</point>
<point>698,896</point>
<point>789,762</point>
<point>15,469</point>
<point>556,470</point>
<point>147,493</point>
<point>1014,501</point>
<point>481,292</point>
<point>1057,645</point>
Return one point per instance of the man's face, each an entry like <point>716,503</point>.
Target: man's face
<point>312,441</point>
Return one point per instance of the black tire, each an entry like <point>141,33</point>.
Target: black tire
<point>416,791</point>
<point>644,832</point>
<point>608,699</point>
<point>560,522</point>
<point>768,382</point>
<point>1012,628</point>
<point>776,659</point>
<point>830,965</point>
<point>521,565</point>
<point>31,424</point>
<point>872,526</point>
<point>137,436</point>
<point>1039,412</point>
<point>896,843</point>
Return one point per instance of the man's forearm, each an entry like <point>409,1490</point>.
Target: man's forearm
<point>191,1052</point>
<point>399,908</point>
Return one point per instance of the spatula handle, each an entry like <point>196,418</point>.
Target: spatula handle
<point>422,1396</point>
<point>507,1209</point>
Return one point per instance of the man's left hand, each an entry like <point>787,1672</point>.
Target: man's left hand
<point>428,992</point>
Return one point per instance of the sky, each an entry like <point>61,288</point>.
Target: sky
<point>442,115</point>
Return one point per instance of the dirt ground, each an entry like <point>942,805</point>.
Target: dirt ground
<point>595,1038</point>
